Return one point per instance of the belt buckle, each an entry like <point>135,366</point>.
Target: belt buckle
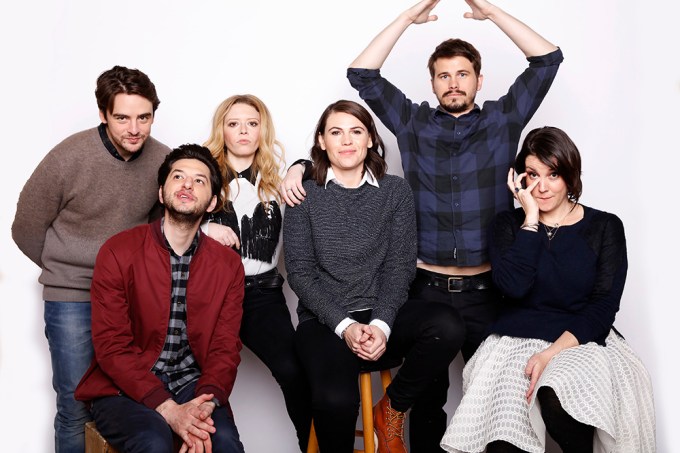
<point>449,283</point>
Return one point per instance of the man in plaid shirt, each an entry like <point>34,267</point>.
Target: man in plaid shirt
<point>456,159</point>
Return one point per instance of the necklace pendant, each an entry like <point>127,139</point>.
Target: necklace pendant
<point>550,234</point>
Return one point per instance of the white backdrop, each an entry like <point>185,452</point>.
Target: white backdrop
<point>617,95</point>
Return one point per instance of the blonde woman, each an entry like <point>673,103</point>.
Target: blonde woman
<point>244,143</point>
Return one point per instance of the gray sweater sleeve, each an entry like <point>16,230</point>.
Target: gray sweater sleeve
<point>303,268</point>
<point>399,267</point>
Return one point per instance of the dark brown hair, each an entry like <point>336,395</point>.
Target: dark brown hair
<point>456,48</point>
<point>119,80</point>
<point>201,154</point>
<point>375,157</point>
<point>554,148</point>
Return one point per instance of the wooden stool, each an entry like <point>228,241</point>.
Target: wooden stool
<point>366,395</point>
<point>95,442</point>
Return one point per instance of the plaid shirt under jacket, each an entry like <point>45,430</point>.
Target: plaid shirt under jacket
<point>177,366</point>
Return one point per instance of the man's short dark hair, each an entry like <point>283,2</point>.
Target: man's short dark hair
<point>121,80</point>
<point>200,153</point>
<point>456,48</point>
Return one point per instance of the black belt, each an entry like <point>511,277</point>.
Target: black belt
<point>270,279</point>
<point>455,283</point>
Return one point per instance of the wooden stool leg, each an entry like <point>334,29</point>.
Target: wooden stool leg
<point>367,411</point>
<point>312,443</point>
<point>386,379</point>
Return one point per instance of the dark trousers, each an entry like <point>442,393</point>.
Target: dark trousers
<point>267,330</point>
<point>421,334</point>
<point>471,312</point>
<point>132,427</point>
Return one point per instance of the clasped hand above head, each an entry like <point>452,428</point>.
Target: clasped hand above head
<point>192,421</point>
<point>420,13</point>
<point>367,341</point>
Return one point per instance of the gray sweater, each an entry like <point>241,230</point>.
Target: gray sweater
<point>78,197</point>
<point>351,249</point>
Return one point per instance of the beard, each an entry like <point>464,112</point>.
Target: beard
<point>459,106</point>
<point>184,215</point>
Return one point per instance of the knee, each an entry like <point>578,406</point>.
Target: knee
<point>288,372</point>
<point>331,400</point>
<point>445,329</point>
<point>73,413</point>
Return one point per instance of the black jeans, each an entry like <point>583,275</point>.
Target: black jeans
<point>421,334</point>
<point>267,330</point>
<point>471,314</point>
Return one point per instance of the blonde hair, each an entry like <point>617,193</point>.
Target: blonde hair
<point>269,157</point>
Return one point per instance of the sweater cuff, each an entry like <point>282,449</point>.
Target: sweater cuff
<point>382,325</point>
<point>345,323</point>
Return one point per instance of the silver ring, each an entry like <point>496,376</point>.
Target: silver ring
<point>517,189</point>
<point>289,189</point>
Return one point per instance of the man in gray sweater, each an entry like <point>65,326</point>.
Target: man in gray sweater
<point>89,187</point>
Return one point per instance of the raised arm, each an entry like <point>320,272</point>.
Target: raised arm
<point>529,42</point>
<point>380,47</point>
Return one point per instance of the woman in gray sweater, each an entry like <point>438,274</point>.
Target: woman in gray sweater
<point>350,252</point>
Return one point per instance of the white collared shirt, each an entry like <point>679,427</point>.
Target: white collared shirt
<point>368,177</point>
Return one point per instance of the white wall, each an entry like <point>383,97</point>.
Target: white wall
<point>617,95</point>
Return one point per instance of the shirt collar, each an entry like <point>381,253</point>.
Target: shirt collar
<point>111,148</point>
<point>366,178</point>
<point>192,248</point>
<point>246,174</point>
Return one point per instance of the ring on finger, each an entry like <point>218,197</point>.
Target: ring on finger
<point>517,189</point>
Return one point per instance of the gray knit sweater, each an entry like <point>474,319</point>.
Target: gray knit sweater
<point>78,197</point>
<point>351,249</point>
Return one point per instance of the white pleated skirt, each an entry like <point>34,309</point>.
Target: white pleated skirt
<point>605,387</point>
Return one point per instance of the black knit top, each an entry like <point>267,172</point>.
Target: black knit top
<point>573,282</point>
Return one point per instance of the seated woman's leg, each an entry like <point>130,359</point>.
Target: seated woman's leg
<point>570,434</point>
<point>130,426</point>
<point>267,330</point>
<point>332,370</point>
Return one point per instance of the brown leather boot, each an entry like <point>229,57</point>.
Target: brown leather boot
<point>389,427</point>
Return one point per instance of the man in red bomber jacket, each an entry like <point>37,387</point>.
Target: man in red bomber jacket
<point>166,312</point>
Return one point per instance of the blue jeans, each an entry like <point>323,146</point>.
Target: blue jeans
<point>69,335</point>
<point>134,428</point>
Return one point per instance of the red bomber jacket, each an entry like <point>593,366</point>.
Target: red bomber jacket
<point>131,291</point>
